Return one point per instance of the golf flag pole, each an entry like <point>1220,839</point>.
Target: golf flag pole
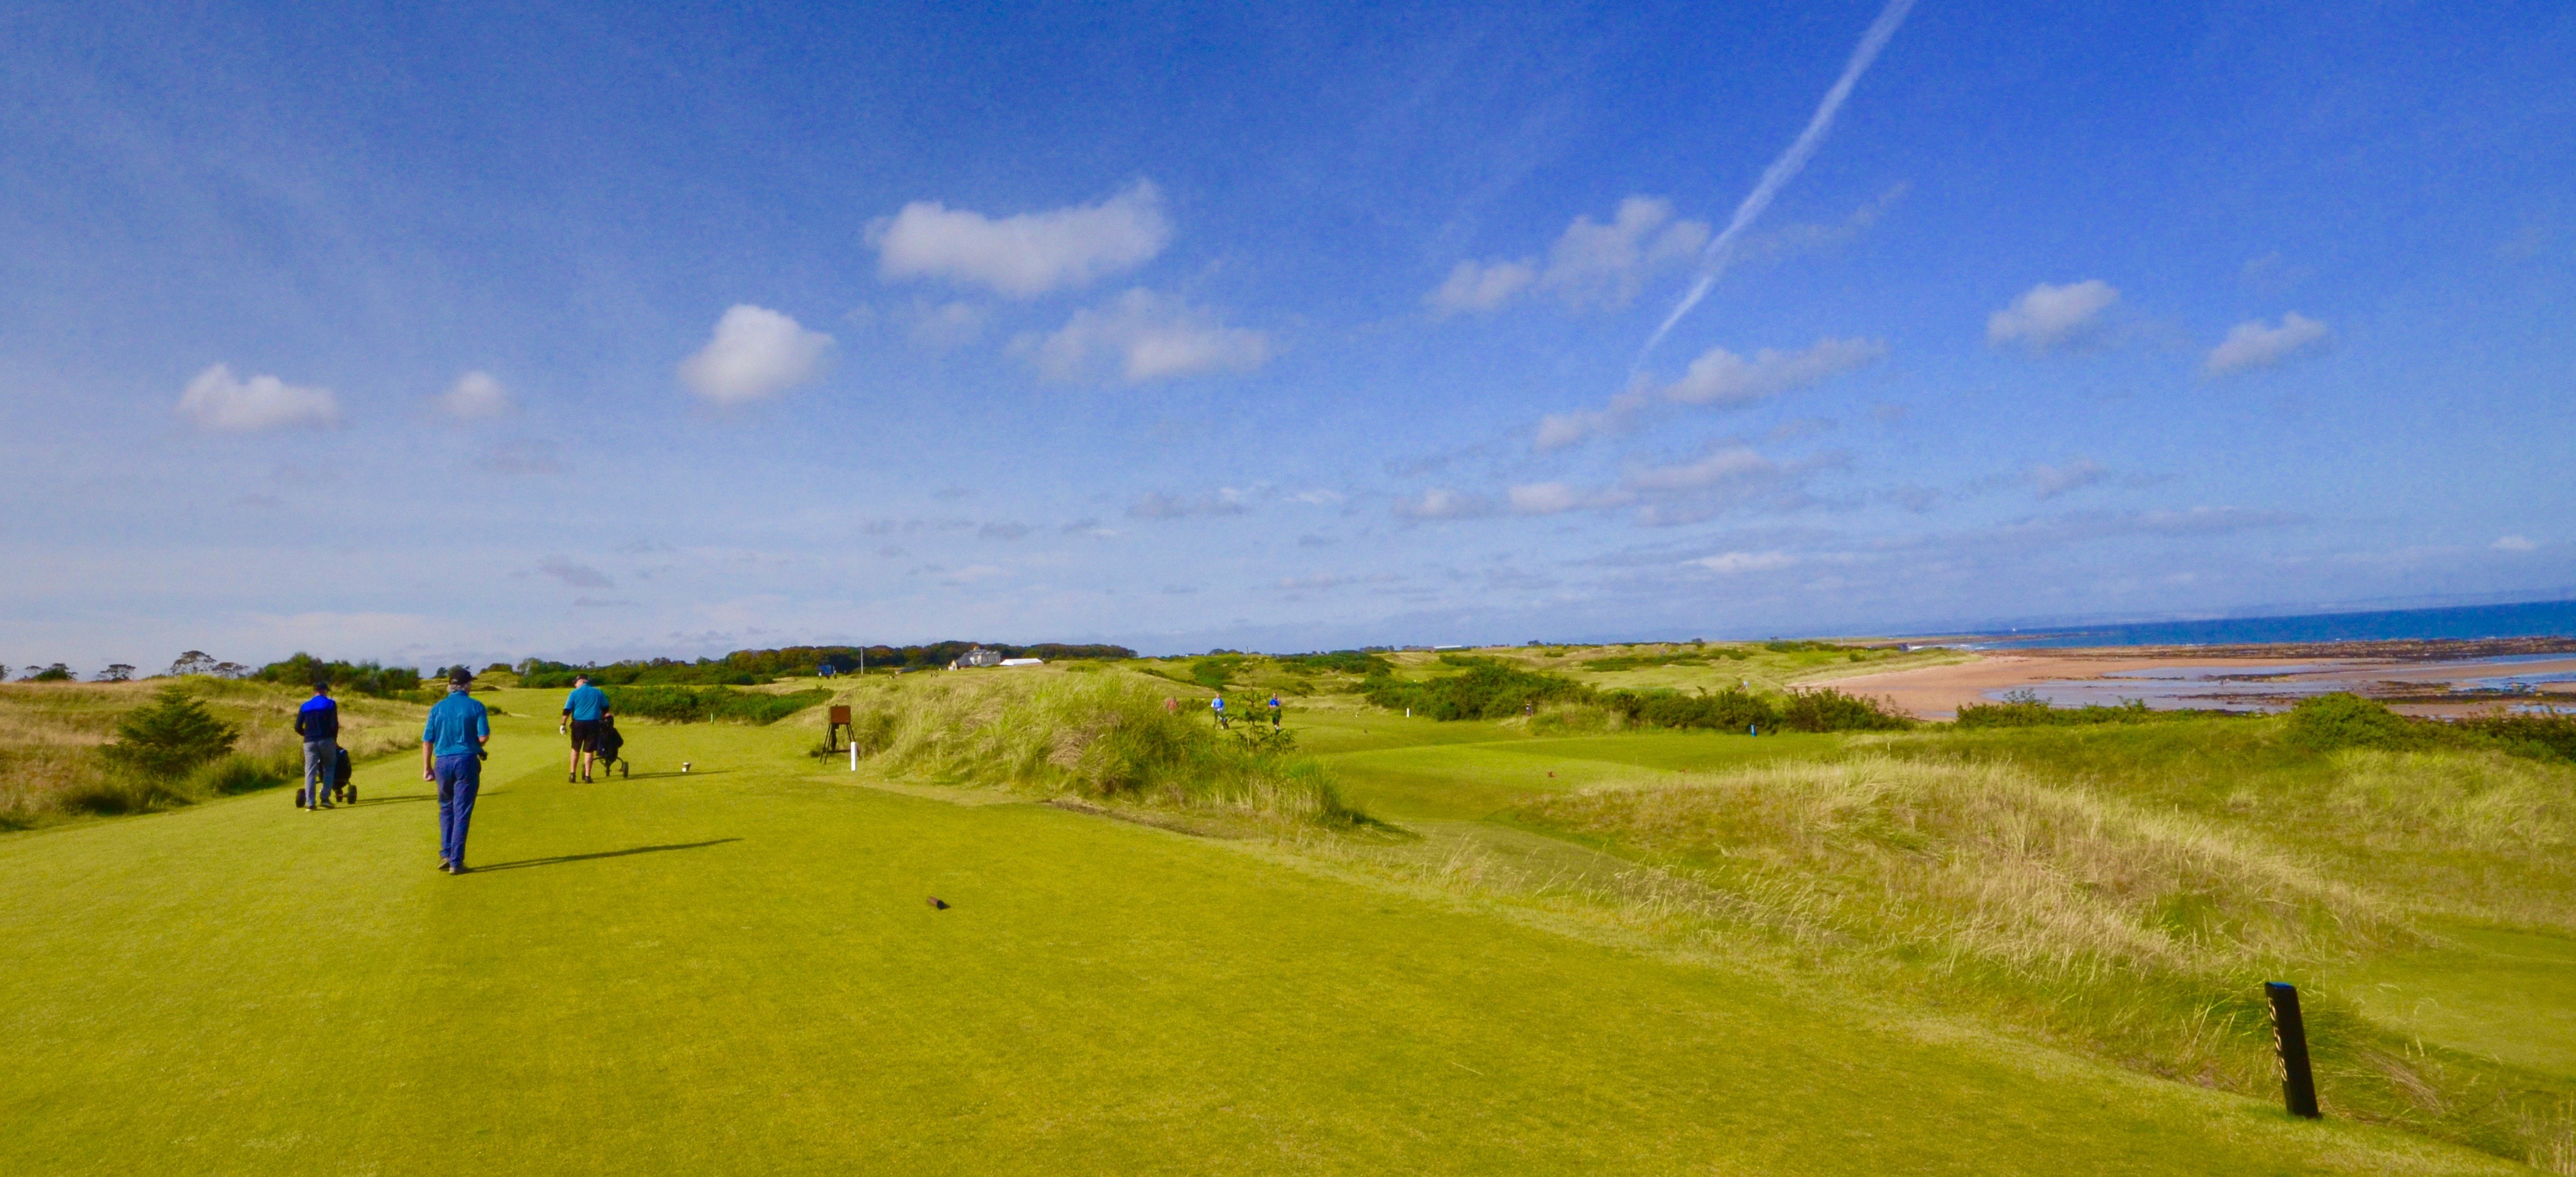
<point>2290,1034</point>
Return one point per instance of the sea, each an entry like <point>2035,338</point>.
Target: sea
<point>2531,619</point>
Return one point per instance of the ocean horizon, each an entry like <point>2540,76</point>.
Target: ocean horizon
<point>2462,622</point>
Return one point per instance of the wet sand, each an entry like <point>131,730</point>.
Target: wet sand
<point>2174,678</point>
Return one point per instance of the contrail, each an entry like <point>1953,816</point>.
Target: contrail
<point>1713,260</point>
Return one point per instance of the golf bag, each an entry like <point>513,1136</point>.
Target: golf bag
<point>606,747</point>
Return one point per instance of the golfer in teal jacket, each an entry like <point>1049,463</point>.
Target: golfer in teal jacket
<point>582,711</point>
<point>451,753</point>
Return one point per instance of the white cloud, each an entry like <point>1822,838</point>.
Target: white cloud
<point>756,352</point>
<point>1147,337</point>
<point>2046,316</point>
<point>1444,504</point>
<point>475,395</point>
<point>1720,376</point>
<point>1558,430</point>
<point>1028,254</point>
<point>2048,482</point>
<point>1318,498</point>
<point>1717,377</point>
<point>1605,264</point>
<point>1591,263</point>
<point>1556,498</point>
<point>1158,505</point>
<point>218,401</point>
<point>2252,344</point>
<point>2515,543</point>
<point>1481,287</point>
<point>1725,466</point>
<point>1733,563</point>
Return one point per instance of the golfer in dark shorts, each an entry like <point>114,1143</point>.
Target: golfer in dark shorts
<point>451,753</point>
<point>582,711</point>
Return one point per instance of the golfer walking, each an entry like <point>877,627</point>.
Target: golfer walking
<point>582,711</point>
<point>451,753</point>
<point>318,723</point>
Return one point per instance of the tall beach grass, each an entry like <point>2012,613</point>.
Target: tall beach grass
<point>1105,738</point>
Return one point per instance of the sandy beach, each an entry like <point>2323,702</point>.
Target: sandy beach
<point>2181,678</point>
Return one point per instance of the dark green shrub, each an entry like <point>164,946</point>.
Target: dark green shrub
<point>365,678</point>
<point>2538,736</point>
<point>1828,710</point>
<point>1338,661</point>
<point>1490,689</point>
<point>2025,709</point>
<point>2340,720</point>
<point>54,673</point>
<point>672,704</point>
<point>1732,709</point>
<point>1642,661</point>
<point>1214,672</point>
<point>164,740</point>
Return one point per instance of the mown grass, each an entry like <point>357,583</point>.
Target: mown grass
<point>735,970</point>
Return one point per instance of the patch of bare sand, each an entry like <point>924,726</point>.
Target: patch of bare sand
<point>1935,692</point>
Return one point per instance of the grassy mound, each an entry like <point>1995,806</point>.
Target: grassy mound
<point>1104,737</point>
<point>2124,888</point>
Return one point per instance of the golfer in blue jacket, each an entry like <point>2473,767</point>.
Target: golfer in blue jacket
<point>318,722</point>
<point>451,753</point>
<point>582,711</point>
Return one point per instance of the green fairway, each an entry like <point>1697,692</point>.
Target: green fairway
<point>2510,995</point>
<point>738,970</point>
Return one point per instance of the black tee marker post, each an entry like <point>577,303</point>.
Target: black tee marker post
<point>2290,1034</point>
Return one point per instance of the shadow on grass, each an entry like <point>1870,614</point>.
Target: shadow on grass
<point>384,799</point>
<point>560,859</point>
<point>647,776</point>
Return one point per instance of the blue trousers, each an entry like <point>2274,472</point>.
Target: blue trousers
<point>321,759</point>
<point>459,779</point>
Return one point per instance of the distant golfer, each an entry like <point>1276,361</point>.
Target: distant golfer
<point>1274,711</point>
<point>582,711</point>
<point>451,753</point>
<point>1218,708</point>
<point>318,722</point>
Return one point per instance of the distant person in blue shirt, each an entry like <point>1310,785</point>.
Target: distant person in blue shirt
<point>318,722</point>
<point>451,753</point>
<point>582,711</point>
<point>1218,706</point>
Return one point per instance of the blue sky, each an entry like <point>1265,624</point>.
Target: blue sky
<point>495,331</point>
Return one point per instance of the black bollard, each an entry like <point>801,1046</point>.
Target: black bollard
<point>2290,1034</point>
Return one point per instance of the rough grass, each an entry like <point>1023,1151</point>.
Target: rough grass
<point>2108,918</point>
<point>50,734</point>
<point>1101,737</point>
